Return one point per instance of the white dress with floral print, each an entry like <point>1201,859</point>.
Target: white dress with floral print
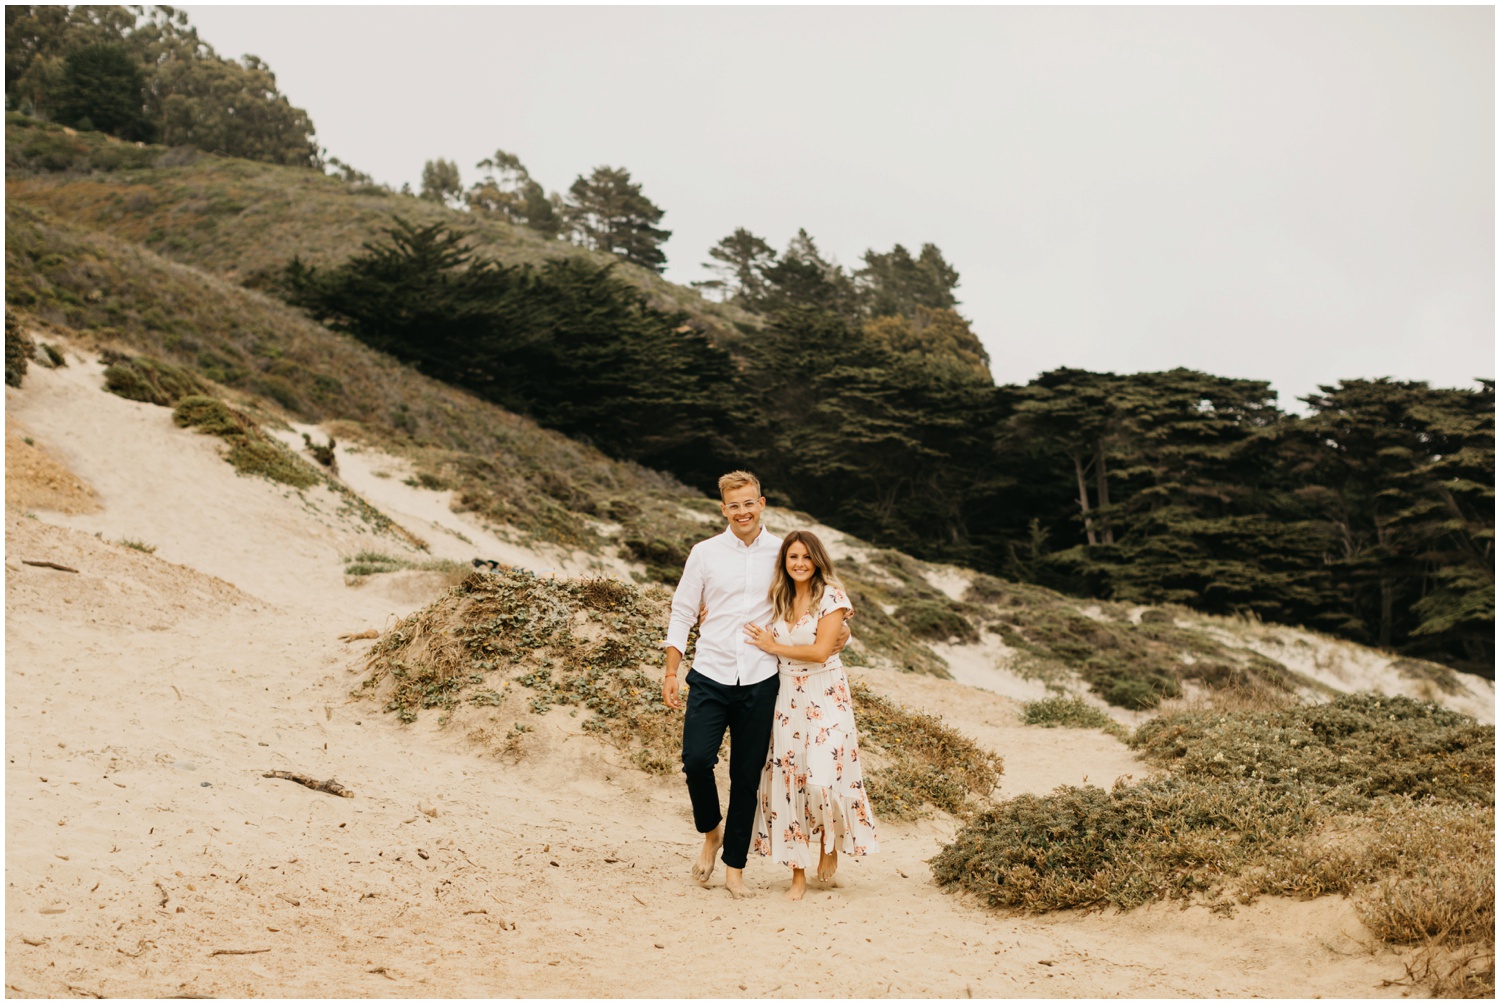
<point>812,782</point>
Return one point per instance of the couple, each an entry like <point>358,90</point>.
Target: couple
<point>768,672</point>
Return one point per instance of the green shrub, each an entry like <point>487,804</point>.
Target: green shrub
<point>142,378</point>
<point>251,451</point>
<point>1068,712</point>
<point>937,620</point>
<point>18,349</point>
<point>1384,798</point>
<point>1357,747</point>
<point>211,416</point>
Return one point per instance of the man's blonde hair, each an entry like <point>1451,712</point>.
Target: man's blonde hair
<point>738,479</point>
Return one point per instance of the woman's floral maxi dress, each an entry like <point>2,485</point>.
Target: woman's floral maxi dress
<point>812,781</point>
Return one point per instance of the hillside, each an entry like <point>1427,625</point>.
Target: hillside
<point>150,692</point>
<point>201,633</point>
<point>244,220</point>
<point>935,619</point>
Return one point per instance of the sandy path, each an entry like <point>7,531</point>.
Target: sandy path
<point>147,694</point>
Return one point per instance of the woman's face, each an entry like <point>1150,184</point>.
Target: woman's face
<point>799,563</point>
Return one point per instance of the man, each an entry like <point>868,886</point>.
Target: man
<point>733,684</point>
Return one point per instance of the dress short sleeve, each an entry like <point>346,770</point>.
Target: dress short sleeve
<point>834,599</point>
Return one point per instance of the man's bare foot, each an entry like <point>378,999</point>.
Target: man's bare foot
<point>828,865</point>
<point>799,885</point>
<point>734,881</point>
<point>703,868</point>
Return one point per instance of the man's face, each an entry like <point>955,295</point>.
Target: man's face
<point>742,507</point>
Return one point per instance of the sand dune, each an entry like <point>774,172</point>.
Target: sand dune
<point>147,694</point>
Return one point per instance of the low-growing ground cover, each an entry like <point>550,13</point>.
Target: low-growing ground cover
<point>1388,799</point>
<point>1071,713</point>
<point>593,645</point>
<point>1130,664</point>
<point>367,563</point>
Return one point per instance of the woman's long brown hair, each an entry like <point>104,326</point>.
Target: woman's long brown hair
<point>784,590</point>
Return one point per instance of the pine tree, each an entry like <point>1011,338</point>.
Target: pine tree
<point>608,212</point>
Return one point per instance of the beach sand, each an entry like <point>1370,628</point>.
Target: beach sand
<point>147,856</point>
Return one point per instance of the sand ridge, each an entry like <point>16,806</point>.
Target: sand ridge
<point>148,856</point>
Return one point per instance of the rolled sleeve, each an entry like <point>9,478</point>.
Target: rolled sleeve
<point>686,602</point>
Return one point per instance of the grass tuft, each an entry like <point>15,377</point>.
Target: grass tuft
<point>1071,713</point>
<point>367,563</point>
<point>143,378</point>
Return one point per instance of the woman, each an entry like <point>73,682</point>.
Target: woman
<point>812,791</point>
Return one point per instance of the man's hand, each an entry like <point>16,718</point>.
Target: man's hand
<point>844,637</point>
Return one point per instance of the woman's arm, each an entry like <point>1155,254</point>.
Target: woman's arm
<point>830,626</point>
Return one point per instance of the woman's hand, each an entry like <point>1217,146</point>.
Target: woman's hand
<point>761,638</point>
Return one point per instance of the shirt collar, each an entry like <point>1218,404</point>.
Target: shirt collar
<point>758,542</point>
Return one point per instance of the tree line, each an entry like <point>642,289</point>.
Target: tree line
<point>143,74</point>
<point>866,400</point>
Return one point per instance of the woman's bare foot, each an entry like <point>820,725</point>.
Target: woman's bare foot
<point>703,868</point>
<point>734,881</point>
<point>828,865</point>
<point>799,885</point>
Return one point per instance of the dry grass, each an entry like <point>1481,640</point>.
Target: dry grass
<point>592,645</point>
<point>244,220</point>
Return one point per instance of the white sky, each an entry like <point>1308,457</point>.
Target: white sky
<point>1291,194</point>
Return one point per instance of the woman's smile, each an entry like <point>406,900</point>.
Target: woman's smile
<point>799,563</point>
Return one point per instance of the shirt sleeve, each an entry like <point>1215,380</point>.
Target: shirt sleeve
<point>686,602</point>
<point>834,599</point>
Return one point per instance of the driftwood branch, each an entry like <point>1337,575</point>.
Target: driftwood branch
<point>237,951</point>
<point>331,786</point>
<point>50,564</point>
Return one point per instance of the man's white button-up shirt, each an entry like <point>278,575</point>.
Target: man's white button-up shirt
<point>733,580</point>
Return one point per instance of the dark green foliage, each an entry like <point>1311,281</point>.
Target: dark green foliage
<point>103,88</point>
<point>740,262</point>
<point>509,192</point>
<point>142,378</point>
<point>19,348</point>
<point>323,453</point>
<point>142,74</point>
<point>608,213</point>
<point>664,559</point>
<point>937,620</point>
<point>1134,666</point>
<point>896,283</point>
<point>567,343</point>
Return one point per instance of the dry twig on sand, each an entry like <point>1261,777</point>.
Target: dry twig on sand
<point>50,564</point>
<point>331,786</point>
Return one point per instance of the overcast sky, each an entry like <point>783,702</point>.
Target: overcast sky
<point>1289,194</point>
